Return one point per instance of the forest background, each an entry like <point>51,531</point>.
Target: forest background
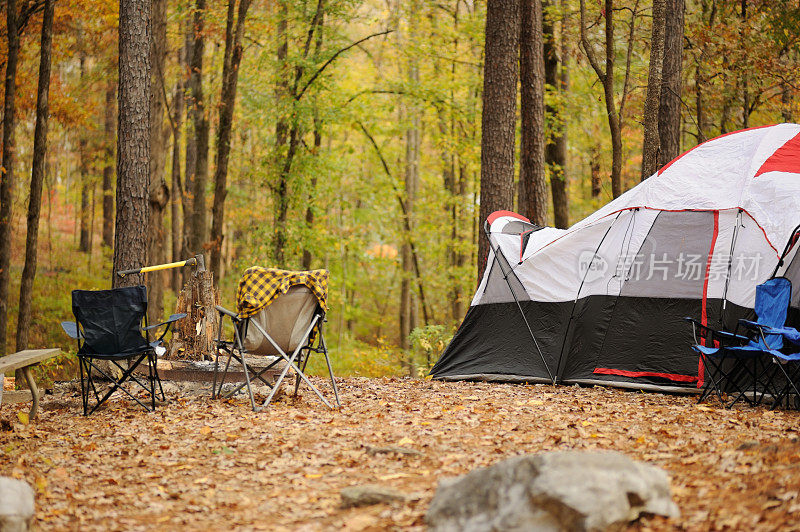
<point>349,134</point>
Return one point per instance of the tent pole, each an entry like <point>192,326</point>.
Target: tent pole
<point>730,265</point>
<point>497,253</point>
<point>577,296</point>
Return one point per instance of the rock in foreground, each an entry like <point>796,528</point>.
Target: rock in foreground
<point>568,490</point>
<point>16,505</point>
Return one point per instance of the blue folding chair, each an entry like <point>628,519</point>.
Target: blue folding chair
<point>742,367</point>
<point>787,366</point>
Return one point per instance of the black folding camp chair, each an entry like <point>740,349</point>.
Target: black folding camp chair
<point>108,327</point>
<point>288,329</point>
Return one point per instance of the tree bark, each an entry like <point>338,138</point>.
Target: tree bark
<point>198,220</point>
<point>191,144</point>
<point>177,198</point>
<point>651,143</point>
<point>158,190</point>
<point>669,111</point>
<point>498,122</point>
<point>594,169</point>
<point>108,166</point>
<point>230,77</point>
<point>556,148</point>
<point>7,170</point>
<point>606,77</point>
<point>307,254</point>
<point>83,168</point>
<point>133,144</point>
<point>532,183</point>
<point>37,178</point>
<point>281,189</point>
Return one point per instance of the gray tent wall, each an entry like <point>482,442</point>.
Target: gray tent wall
<point>621,327</point>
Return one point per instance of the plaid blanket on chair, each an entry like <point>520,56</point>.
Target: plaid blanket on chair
<point>259,286</point>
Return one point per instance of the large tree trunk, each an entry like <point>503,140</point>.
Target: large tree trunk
<point>669,111</point>
<point>158,190</point>
<point>177,199</point>
<point>555,155</point>
<point>532,183</point>
<point>230,77</point>
<point>7,169</point>
<point>108,166</point>
<point>133,145</point>
<point>197,219</point>
<point>651,143</point>
<point>191,144</point>
<point>37,178</point>
<point>498,122</point>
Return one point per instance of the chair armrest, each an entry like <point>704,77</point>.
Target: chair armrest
<point>71,328</point>
<point>731,336</point>
<point>720,336</point>
<point>223,310</point>
<point>754,326</point>
<point>172,319</point>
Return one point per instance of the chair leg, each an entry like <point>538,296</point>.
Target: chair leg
<point>84,389</point>
<point>330,370</point>
<point>244,368</point>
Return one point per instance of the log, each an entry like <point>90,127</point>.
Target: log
<point>193,337</point>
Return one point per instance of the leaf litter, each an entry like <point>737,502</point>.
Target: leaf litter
<point>198,463</point>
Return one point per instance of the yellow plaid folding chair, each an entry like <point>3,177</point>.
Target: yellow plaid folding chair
<point>280,315</point>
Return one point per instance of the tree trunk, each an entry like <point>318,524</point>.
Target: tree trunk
<point>158,191</point>
<point>198,222</point>
<point>7,170</point>
<point>651,143</point>
<point>669,111</point>
<point>607,79</point>
<point>37,178</point>
<point>230,77</point>
<point>133,145</point>
<point>787,99</point>
<point>498,122</point>
<point>108,165</point>
<point>191,145</point>
<point>556,149</point>
<point>594,169</point>
<point>307,255</point>
<point>83,168</point>
<point>177,199</point>
<point>532,183</point>
<point>281,189</point>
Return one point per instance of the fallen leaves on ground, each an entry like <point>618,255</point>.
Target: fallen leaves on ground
<point>199,463</point>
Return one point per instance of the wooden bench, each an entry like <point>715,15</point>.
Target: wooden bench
<point>26,360</point>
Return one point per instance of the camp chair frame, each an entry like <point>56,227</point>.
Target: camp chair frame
<point>750,357</point>
<point>235,350</point>
<point>90,372</point>
<point>717,338</point>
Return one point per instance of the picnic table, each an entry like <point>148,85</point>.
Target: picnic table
<point>26,360</point>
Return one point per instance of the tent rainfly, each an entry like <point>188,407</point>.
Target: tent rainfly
<point>602,302</point>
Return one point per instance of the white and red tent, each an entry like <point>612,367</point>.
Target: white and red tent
<point>603,301</point>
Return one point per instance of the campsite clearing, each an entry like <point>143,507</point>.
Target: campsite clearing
<point>203,464</point>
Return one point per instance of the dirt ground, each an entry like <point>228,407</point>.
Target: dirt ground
<point>200,464</point>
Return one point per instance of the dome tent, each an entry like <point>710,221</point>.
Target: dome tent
<point>603,301</point>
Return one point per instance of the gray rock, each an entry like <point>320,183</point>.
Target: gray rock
<point>369,494</point>
<point>16,505</point>
<point>553,491</point>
